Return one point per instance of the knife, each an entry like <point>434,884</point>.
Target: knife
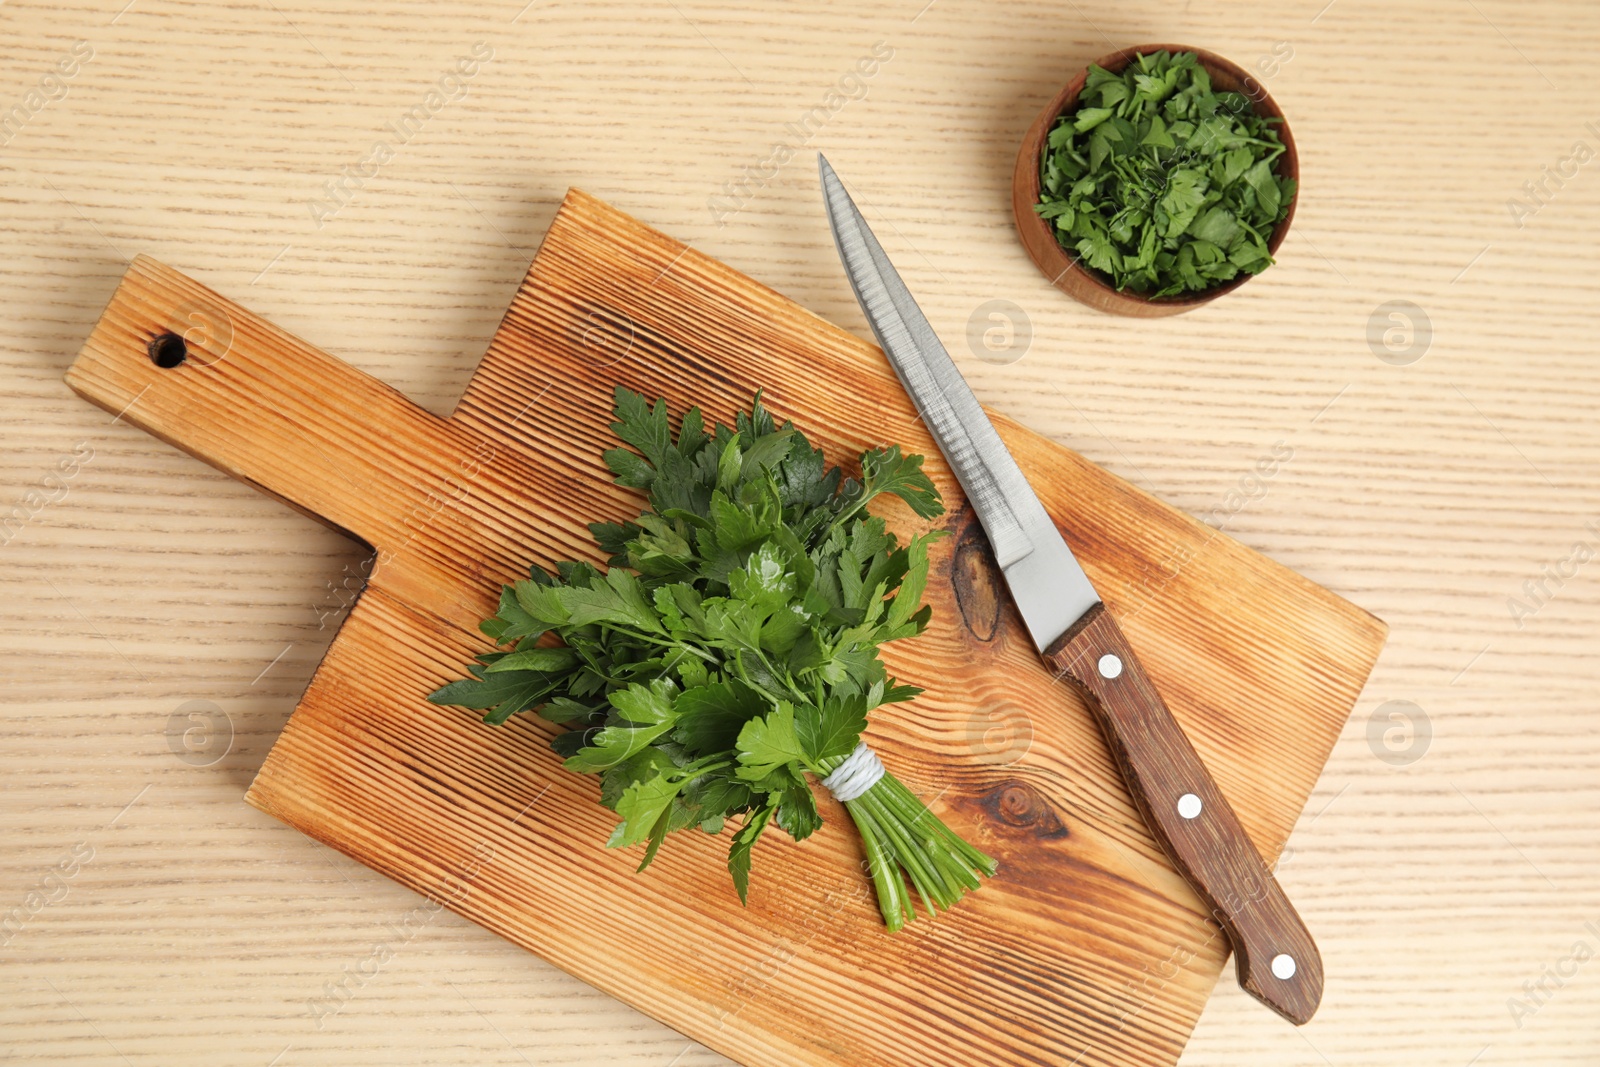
<point>1276,960</point>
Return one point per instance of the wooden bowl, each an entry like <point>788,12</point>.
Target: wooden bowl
<point>1038,235</point>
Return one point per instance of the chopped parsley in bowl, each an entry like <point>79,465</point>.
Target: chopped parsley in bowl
<point>1164,183</point>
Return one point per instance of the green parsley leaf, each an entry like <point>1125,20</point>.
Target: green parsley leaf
<point>613,745</point>
<point>885,470</point>
<point>536,659</point>
<point>643,805</point>
<point>797,813</point>
<point>768,743</point>
<point>832,729</point>
<point>1090,117</point>
<point>739,854</point>
<point>650,705</point>
<point>710,717</point>
<point>506,693</point>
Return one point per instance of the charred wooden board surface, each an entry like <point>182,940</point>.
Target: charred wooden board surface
<point>1086,949</point>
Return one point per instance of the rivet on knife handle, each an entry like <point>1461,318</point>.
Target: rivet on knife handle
<point>1276,958</point>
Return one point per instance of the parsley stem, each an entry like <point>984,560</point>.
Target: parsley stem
<point>904,841</point>
<point>924,879</point>
<point>846,515</point>
<point>885,871</point>
<point>702,768</point>
<point>665,642</point>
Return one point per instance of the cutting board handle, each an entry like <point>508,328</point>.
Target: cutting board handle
<point>266,407</point>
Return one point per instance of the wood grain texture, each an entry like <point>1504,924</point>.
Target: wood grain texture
<point>1047,965</point>
<point>1190,817</point>
<point>1448,854</point>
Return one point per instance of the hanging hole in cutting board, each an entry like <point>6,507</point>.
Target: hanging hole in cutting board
<point>167,350</point>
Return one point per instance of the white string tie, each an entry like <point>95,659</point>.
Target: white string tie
<point>859,772</point>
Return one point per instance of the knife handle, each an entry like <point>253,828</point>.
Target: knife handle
<point>1276,959</point>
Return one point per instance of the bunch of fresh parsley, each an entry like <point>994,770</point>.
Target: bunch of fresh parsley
<point>731,648</point>
<point>1160,183</point>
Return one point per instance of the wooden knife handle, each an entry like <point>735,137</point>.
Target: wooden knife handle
<point>1276,959</point>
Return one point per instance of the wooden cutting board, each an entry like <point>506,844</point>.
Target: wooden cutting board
<point>1086,949</point>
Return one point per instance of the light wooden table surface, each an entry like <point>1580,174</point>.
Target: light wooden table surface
<point>160,620</point>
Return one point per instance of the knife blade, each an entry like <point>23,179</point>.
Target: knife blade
<point>1276,959</point>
